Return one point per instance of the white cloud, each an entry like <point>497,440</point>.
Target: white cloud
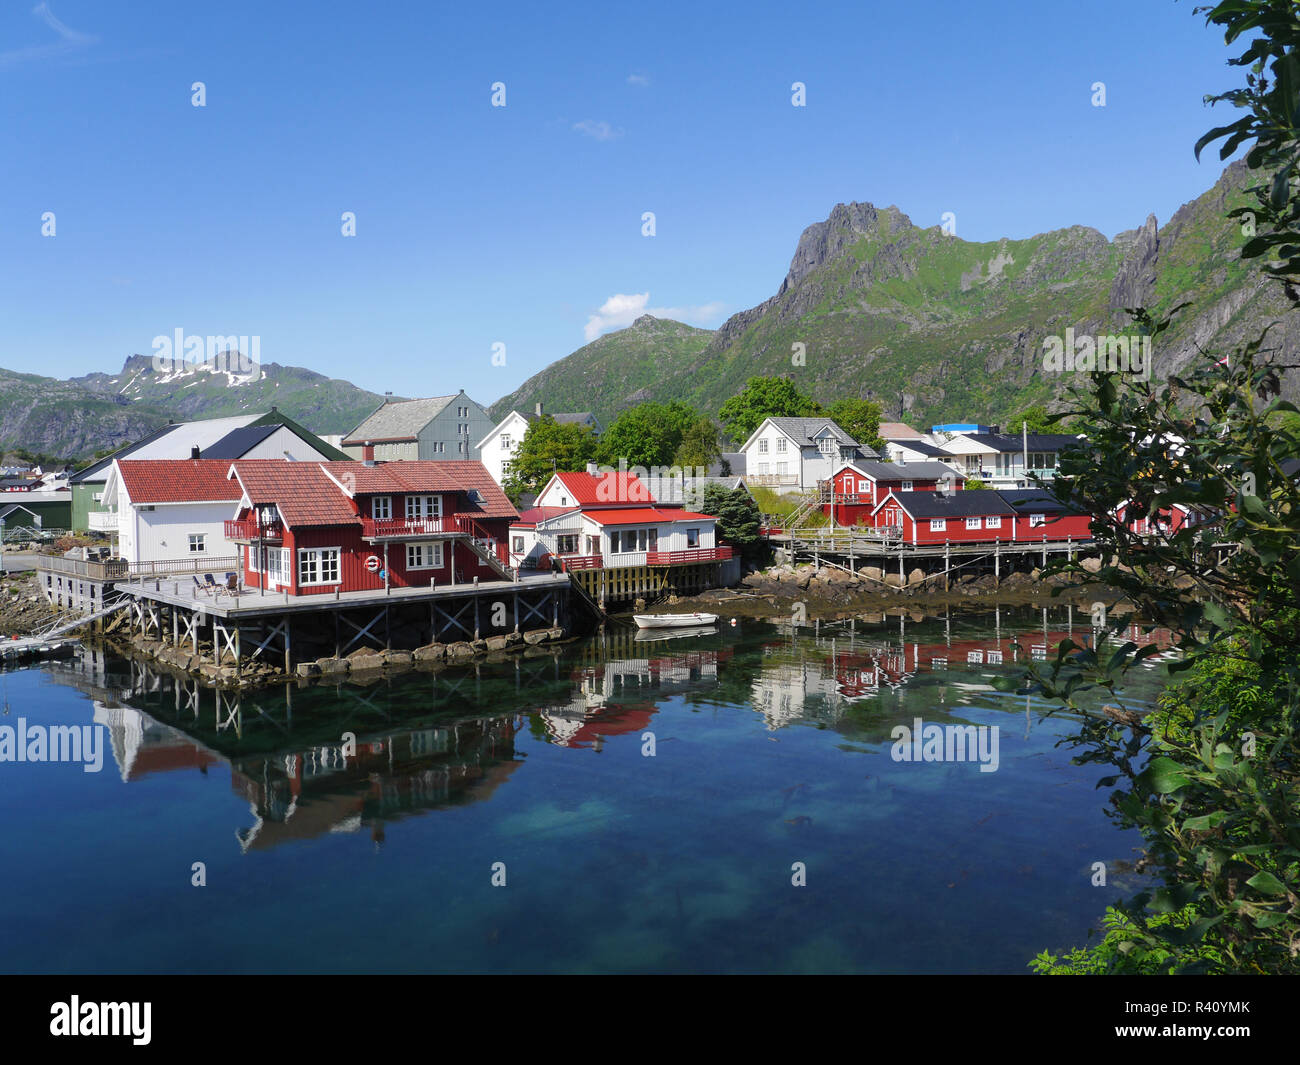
<point>622,309</point>
<point>640,80</point>
<point>69,41</point>
<point>601,131</point>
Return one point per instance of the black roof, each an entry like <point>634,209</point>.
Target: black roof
<point>239,442</point>
<point>1035,501</point>
<point>1014,442</point>
<point>953,504</point>
<point>922,448</point>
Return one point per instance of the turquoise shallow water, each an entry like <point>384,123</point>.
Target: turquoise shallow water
<point>771,748</point>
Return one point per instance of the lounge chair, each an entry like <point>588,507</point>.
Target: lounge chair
<point>201,586</point>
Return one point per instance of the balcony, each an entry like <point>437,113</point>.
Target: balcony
<point>405,528</point>
<point>102,521</point>
<point>772,479</point>
<point>251,529</point>
<point>572,562</point>
<point>684,558</point>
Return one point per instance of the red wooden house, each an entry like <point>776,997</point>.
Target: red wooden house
<point>947,517</point>
<point>1166,521</point>
<point>310,527</point>
<point>859,486</point>
<point>1041,516</point>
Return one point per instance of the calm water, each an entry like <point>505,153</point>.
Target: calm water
<point>771,748</point>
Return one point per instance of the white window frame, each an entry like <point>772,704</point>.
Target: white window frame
<point>780,445</point>
<point>993,523</point>
<point>762,446</point>
<point>198,543</point>
<point>320,559</point>
<point>428,555</point>
<point>1036,521</point>
<point>907,486</point>
<point>864,485</point>
<point>938,524</point>
<point>381,508</point>
<point>972,523</point>
<point>423,507</point>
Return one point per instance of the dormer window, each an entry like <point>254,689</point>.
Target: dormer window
<point>474,495</point>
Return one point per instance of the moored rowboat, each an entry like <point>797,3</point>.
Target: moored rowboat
<point>673,621</point>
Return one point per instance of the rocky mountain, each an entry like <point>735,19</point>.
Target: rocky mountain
<point>77,417</point>
<point>934,327</point>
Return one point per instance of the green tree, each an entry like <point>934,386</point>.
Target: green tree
<point>738,517</point>
<point>1036,419</point>
<point>548,447</point>
<point>860,418</point>
<point>699,445</point>
<point>764,397</point>
<point>1212,778</point>
<point>648,434</point>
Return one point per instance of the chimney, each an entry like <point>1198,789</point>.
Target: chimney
<point>592,468</point>
<point>194,451</point>
<point>538,409</point>
<point>388,397</point>
<point>368,453</point>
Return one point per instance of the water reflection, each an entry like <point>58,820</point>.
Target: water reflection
<point>313,760</point>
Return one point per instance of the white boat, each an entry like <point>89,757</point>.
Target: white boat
<point>673,621</point>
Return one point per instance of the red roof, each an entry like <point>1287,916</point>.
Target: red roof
<point>305,494</point>
<point>612,487</point>
<point>643,516</point>
<point>427,475</point>
<point>177,480</point>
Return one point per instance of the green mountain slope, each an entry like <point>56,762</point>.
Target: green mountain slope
<point>614,371</point>
<point>938,328</point>
<point>77,417</point>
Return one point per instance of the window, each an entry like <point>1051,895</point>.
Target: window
<point>517,545</point>
<point>864,486</point>
<point>318,565</point>
<point>762,468</point>
<point>419,508</point>
<point>972,523</point>
<point>505,441</point>
<point>907,486</point>
<point>1035,520</point>
<point>276,563</point>
<point>780,445</point>
<point>198,543</point>
<point>423,556</point>
<point>567,543</point>
<point>992,523</point>
<point>381,508</point>
<point>938,524</point>
<point>782,468</point>
<point>762,447</point>
<point>692,538</point>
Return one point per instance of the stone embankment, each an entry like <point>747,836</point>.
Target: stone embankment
<point>364,664</point>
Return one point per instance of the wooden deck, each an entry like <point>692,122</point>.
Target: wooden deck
<point>254,602</point>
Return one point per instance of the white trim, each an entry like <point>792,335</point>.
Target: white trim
<point>338,553</point>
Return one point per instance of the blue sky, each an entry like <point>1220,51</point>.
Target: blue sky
<point>479,225</point>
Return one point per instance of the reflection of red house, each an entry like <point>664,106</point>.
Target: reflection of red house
<point>308,527</point>
<point>613,722</point>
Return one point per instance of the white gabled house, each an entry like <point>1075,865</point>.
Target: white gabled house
<point>794,454</point>
<point>499,447</point>
<point>167,510</point>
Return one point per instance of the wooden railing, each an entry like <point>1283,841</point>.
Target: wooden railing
<point>379,528</point>
<point>680,558</point>
<point>115,569</point>
<point>572,562</point>
<point>252,529</point>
